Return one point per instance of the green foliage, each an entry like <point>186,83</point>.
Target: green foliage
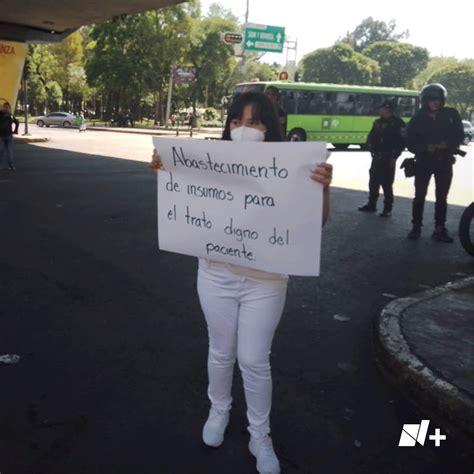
<point>70,73</point>
<point>340,64</point>
<point>210,114</point>
<point>130,58</point>
<point>261,71</point>
<point>55,94</point>
<point>218,11</point>
<point>56,75</point>
<point>399,62</point>
<point>459,81</point>
<point>214,60</point>
<point>44,89</point>
<point>68,52</point>
<point>434,65</point>
<point>370,31</point>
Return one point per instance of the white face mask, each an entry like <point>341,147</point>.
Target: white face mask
<point>247,134</point>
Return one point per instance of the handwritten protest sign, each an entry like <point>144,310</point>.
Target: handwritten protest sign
<point>250,204</point>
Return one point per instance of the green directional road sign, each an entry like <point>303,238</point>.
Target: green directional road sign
<point>264,38</point>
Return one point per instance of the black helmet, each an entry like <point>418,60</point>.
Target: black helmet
<point>389,105</point>
<point>433,92</point>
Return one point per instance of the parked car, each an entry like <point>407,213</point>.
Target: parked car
<point>61,119</point>
<point>468,132</point>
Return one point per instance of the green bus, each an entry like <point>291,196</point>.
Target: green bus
<point>339,114</point>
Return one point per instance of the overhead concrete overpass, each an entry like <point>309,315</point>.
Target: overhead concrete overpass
<point>41,21</point>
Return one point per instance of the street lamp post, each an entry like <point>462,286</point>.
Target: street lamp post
<point>25,99</point>
<point>242,57</point>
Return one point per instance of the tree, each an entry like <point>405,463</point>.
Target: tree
<point>45,92</point>
<point>112,66</point>
<point>216,10</point>
<point>132,57</point>
<point>252,69</point>
<point>370,31</point>
<point>261,71</point>
<point>399,62</point>
<point>70,73</point>
<point>340,64</point>
<point>169,32</point>
<point>459,81</point>
<point>214,60</point>
<point>434,65</point>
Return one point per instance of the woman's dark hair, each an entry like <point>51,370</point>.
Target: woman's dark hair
<point>263,110</point>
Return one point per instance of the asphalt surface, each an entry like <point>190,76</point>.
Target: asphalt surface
<point>112,376</point>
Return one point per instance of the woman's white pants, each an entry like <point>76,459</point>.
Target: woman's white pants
<point>242,315</point>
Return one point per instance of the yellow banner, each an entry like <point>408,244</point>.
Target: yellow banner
<point>12,58</point>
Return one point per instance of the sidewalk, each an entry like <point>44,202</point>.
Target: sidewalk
<point>425,345</point>
<point>30,138</point>
<point>161,131</point>
<point>209,133</point>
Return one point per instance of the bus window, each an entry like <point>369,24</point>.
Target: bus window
<point>287,101</point>
<point>315,103</point>
<point>344,104</point>
<point>304,100</point>
<point>406,106</point>
<point>368,104</point>
<point>321,103</point>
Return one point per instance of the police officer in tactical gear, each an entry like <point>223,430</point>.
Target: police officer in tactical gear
<point>433,135</point>
<point>385,142</point>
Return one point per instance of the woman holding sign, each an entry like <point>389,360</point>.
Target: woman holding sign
<point>243,306</point>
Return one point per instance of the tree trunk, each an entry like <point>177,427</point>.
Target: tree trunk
<point>157,109</point>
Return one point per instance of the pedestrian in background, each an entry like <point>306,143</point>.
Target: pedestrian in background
<point>433,135</point>
<point>130,119</point>
<point>386,141</point>
<point>7,121</point>
<point>83,126</point>
<point>80,122</point>
<point>243,306</point>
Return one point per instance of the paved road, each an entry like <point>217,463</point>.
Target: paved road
<point>112,377</point>
<point>351,166</point>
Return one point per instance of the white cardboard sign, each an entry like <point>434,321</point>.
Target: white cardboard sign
<point>249,203</point>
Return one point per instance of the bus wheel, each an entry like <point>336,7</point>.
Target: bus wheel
<point>341,146</point>
<point>297,135</point>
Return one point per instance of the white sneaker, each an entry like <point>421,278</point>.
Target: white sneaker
<point>262,449</point>
<point>214,428</point>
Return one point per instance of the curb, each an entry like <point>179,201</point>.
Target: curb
<point>155,132</point>
<point>29,139</point>
<point>139,131</point>
<point>430,393</point>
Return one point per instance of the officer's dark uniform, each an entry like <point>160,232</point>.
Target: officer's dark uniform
<point>433,137</point>
<point>386,142</point>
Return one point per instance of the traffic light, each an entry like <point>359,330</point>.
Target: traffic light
<point>283,76</point>
<point>232,38</point>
